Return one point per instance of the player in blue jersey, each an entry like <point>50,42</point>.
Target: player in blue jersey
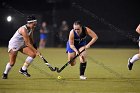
<point>77,42</point>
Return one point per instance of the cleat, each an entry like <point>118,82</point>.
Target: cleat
<point>130,65</point>
<point>24,72</point>
<point>83,77</point>
<point>4,76</point>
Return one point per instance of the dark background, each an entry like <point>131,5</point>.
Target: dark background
<point>114,21</point>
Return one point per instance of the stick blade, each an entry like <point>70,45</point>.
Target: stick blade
<point>57,70</point>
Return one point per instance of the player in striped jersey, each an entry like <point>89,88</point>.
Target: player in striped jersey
<point>22,41</point>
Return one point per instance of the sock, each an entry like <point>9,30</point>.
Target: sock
<point>82,68</point>
<point>25,65</point>
<point>27,62</point>
<point>7,69</point>
<point>135,58</point>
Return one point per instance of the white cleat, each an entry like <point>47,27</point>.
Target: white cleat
<point>83,77</point>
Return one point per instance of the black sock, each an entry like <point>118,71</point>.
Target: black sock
<point>82,68</point>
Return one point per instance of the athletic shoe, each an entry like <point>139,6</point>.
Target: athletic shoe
<point>4,76</point>
<point>130,65</point>
<point>83,77</point>
<point>24,72</point>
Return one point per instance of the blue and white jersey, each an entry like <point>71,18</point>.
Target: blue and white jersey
<point>79,41</point>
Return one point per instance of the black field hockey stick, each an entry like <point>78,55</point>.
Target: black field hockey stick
<point>46,62</point>
<point>59,70</point>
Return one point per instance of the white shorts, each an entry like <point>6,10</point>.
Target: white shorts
<point>15,47</point>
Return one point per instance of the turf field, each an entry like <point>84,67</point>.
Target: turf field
<point>106,71</point>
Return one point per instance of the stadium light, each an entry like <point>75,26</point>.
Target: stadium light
<point>9,18</point>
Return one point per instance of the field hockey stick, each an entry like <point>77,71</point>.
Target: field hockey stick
<point>59,70</point>
<point>46,62</point>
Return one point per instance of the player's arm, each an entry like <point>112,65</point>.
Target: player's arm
<point>71,42</point>
<point>32,41</point>
<point>93,35</point>
<point>138,29</point>
<point>27,39</point>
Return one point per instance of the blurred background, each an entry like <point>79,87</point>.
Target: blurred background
<point>114,21</point>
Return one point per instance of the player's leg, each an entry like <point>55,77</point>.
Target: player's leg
<point>71,56</point>
<point>132,60</point>
<point>83,64</point>
<point>41,43</point>
<point>10,64</point>
<point>31,55</point>
<point>44,43</point>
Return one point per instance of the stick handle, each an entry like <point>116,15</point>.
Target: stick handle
<point>46,62</point>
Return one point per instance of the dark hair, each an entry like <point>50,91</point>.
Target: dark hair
<point>77,23</point>
<point>31,17</point>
